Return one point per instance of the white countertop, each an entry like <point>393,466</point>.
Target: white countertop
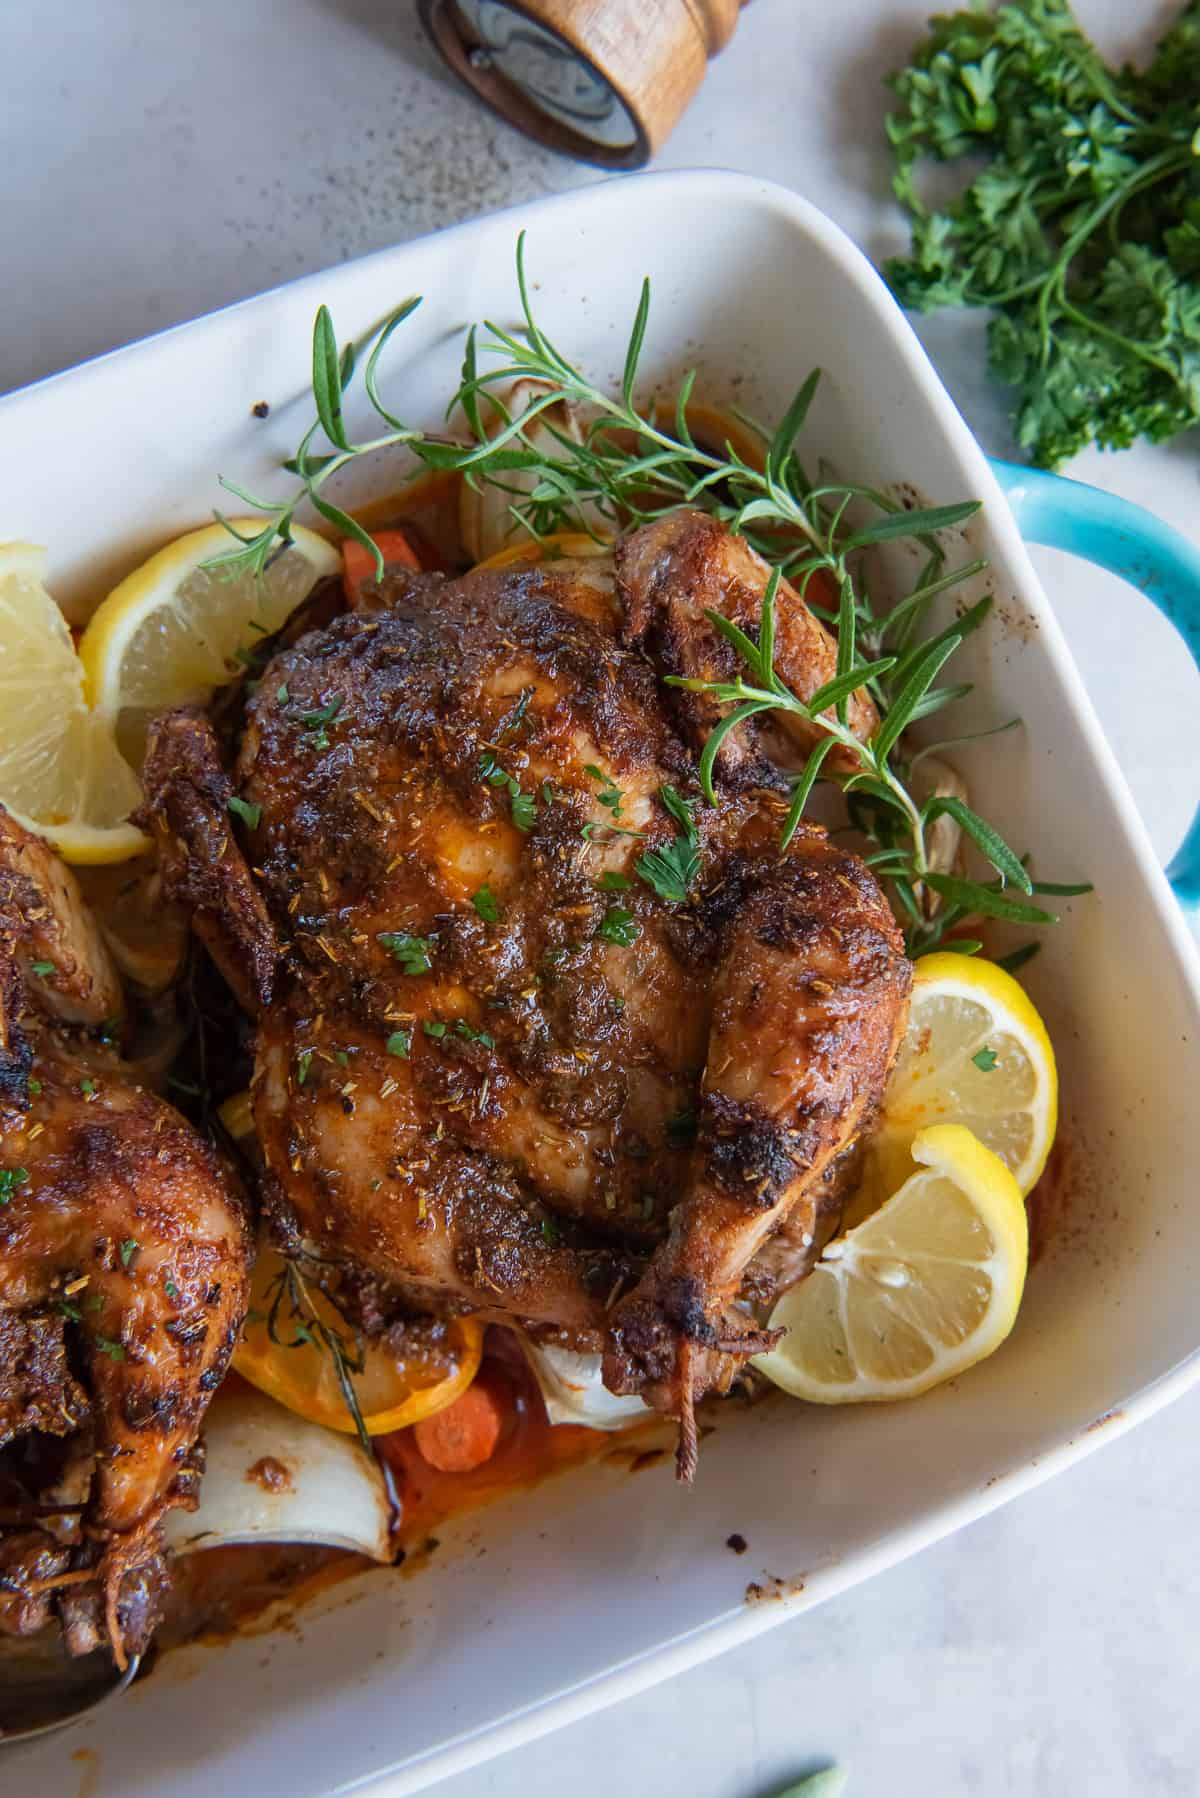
<point>161,158</point>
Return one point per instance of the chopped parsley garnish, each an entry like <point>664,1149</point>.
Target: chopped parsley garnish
<point>612,882</point>
<point>619,926</point>
<point>129,1249</point>
<point>436,1028</point>
<point>610,794</point>
<point>33,1086</point>
<point>324,714</point>
<point>282,694</point>
<point>170,1288</point>
<point>524,805</point>
<point>673,870</point>
<point>341,1057</point>
<point>71,1312</point>
<point>985,1060</point>
<point>547,793</point>
<point>549,1232</point>
<point>399,1043</point>
<point>491,771</point>
<point>471,1035</point>
<point>251,815</point>
<point>682,1129</point>
<point>114,1350</point>
<point>303,1064</point>
<point>87,1088</point>
<point>486,904</point>
<point>42,968</point>
<point>412,952</point>
<point>10,1179</point>
<point>314,722</point>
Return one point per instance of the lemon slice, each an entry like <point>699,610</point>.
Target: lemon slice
<point>174,629</point>
<point>975,1053</point>
<point>392,1388</point>
<point>60,771</point>
<point>923,1289</point>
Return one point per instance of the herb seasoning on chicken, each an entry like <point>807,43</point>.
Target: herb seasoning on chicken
<point>510,733</point>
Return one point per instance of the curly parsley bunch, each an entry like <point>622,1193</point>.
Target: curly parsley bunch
<point>1081,232</point>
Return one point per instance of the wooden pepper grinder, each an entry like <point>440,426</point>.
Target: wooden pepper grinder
<point>602,80</point>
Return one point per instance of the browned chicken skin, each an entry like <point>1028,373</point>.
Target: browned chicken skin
<point>124,1261</point>
<point>491,1042</point>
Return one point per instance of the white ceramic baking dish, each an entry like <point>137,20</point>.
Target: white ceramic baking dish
<point>603,1581</point>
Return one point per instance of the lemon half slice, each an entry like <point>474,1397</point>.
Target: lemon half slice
<point>296,1367</point>
<point>923,1289</point>
<point>174,629</point>
<point>61,774</point>
<point>975,1053</point>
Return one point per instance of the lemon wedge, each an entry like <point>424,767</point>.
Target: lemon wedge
<point>61,774</point>
<point>975,1053</point>
<point>175,629</point>
<point>923,1289</point>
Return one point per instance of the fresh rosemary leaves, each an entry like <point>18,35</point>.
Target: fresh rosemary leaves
<point>625,467</point>
<point>288,1293</point>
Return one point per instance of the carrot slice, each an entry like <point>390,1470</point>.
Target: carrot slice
<point>464,1435</point>
<point>358,564</point>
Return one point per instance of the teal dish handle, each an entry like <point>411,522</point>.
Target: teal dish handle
<point>1131,542</point>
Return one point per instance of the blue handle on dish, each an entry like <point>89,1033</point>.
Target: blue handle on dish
<point>1132,543</point>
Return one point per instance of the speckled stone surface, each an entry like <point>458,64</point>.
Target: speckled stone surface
<point>160,159</point>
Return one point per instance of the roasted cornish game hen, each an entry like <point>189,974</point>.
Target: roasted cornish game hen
<point>124,1273</point>
<point>540,1032</point>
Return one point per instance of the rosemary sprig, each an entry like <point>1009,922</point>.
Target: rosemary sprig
<point>886,813</point>
<point>626,467</point>
<point>288,1287</point>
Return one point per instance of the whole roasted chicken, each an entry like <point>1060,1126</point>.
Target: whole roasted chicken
<point>541,1033</point>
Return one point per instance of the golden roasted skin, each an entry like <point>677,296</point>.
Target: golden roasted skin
<point>515,1158</point>
<point>491,1042</point>
<point>683,566</point>
<point>120,1233</point>
<point>809,1004</point>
